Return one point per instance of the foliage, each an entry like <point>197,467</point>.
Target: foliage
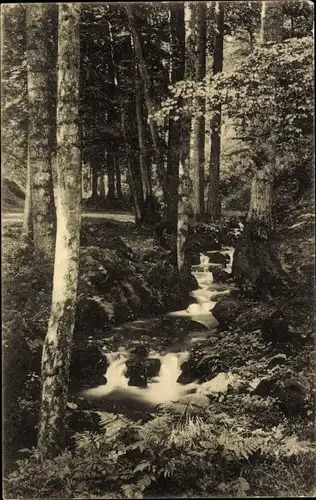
<point>272,88</point>
<point>135,459</point>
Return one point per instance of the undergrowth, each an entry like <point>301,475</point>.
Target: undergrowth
<point>210,454</point>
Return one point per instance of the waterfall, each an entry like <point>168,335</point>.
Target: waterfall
<point>161,389</point>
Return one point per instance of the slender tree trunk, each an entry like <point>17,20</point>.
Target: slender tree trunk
<point>111,176</point>
<point>27,217</point>
<point>143,160</point>
<point>40,129</point>
<point>198,125</point>
<point>58,341</point>
<point>101,186</point>
<point>94,176</point>
<point>137,209</point>
<point>256,268</point>
<point>184,206</point>
<point>148,99</point>
<point>177,55</point>
<point>213,200</point>
<point>119,193</point>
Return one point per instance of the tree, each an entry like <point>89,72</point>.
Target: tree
<point>40,129</point>
<point>58,341</point>
<point>143,156</point>
<point>198,122</point>
<point>255,267</point>
<point>177,56</point>
<point>213,199</point>
<point>143,71</point>
<point>184,195</point>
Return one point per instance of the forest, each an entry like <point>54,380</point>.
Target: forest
<point>158,247</point>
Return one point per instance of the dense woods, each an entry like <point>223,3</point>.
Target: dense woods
<point>158,237</point>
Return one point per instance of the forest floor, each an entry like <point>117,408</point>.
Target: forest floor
<point>258,430</point>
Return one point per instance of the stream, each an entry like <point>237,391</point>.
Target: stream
<point>163,386</point>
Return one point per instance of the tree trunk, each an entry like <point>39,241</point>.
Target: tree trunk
<point>213,200</point>
<point>58,341</point>
<point>255,268</point>
<point>94,176</point>
<point>111,177</point>
<point>137,209</point>
<point>101,186</point>
<point>40,129</point>
<point>119,193</point>
<point>27,217</point>
<point>143,160</point>
<point>177,55</point>
<point>148,99</point>
<point>198,125</point>
<point>184,207</point>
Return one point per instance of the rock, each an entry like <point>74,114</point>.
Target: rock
<point>136,373</point>
<point>191,403</point>
<point>152,367</point>
<point>220,275</point>
<point>275,330</point>
<point>88,364</point>
<point>140,351</point>
<point>277,360</point>
<point>220,383</point>
<point>218,257</point>
<point>225,311</point>
<point>289,392</point>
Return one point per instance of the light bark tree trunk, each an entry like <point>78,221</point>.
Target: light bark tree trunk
<point>58,341</point>
<point>40,129</point>
<point>185,191</point>
<point>198,123</point>
<point>177,55</point>
<point>148,99</point>
<point>256,268</point>
<point>213,199</point>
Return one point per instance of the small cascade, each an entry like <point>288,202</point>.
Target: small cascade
<point>160,389</point>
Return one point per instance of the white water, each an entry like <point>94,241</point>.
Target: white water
<point>165,388</point>
<point>201,311</point>
<point>161,389</point>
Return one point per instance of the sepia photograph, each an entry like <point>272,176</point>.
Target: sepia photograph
<point>158,250</point>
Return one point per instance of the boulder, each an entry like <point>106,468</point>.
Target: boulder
<point>287,389</point>
<point>191,403</point>
<point>136,372</point>
<point>225,311</point>
<point>152,366</point>
<point>277,360</point>
<point>218,257</point>
<point>88,364</point>
<point>220,275</point>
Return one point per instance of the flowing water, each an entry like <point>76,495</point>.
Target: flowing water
<point>165,386</point>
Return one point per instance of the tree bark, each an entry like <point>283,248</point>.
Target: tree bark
<point>213,200</point>
<point>148,99</point>
<point>58,341</point>
<point>177,55</point>
<point>256,268</point>
<point>101,186</point>
<point>198,123</point>
<point>27,216</point>
<point>143,159</point>
<point>94,186</point>
<point>40,129</point>
<point>184,206</point>
<point>118,182</point>
<point>111,176</point>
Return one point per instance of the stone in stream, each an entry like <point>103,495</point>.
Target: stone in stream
<point>220,275</point>
<point>88,364</point>
<point>226,311</point>
<point>218,257</point>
